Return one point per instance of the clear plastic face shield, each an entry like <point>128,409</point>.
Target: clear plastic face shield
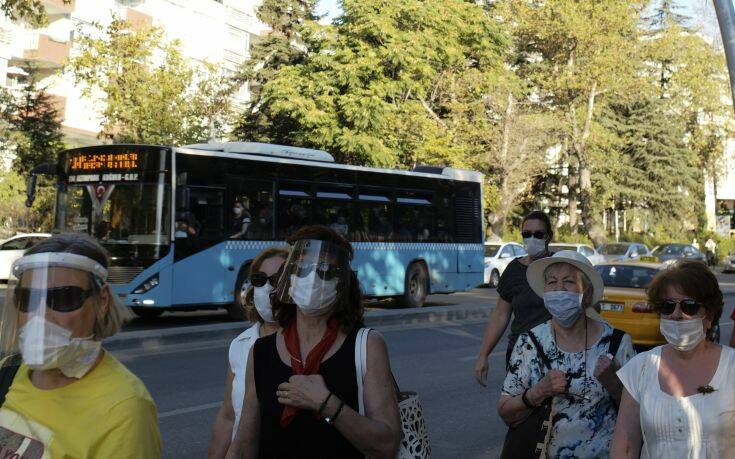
<point>314,275</point>
<point>53,304</point>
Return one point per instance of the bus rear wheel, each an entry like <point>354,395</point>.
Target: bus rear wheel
<point>147,313</point>
<point>416,286</point>
<point>236,310</point>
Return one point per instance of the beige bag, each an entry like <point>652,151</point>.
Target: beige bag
<point>415,438</point>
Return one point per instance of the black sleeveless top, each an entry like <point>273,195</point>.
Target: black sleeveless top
<point>306,436</point>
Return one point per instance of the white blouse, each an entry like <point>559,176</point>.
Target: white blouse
<point>693,427</point>
<point>239,352</point>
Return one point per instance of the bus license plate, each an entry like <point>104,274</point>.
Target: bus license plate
<point>615,307</point>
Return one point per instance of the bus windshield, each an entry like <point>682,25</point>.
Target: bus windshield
<point>122,213</point>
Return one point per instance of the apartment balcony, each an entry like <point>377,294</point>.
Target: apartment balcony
<point>43,51</point>
<point>54,7</point>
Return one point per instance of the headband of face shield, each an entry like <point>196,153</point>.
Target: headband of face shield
<point>43,291</point>
<point>314,275</point>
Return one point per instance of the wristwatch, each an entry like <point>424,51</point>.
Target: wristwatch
<point>330,419</point>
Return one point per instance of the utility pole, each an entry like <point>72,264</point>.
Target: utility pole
<point>726,19</point>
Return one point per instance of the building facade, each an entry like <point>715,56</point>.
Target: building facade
<point>218,31</point>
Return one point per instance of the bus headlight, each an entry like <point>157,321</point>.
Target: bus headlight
<point>146,286</point>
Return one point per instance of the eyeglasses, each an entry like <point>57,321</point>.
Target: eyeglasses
<point>259,279</point>
<point>325,271</point>
<point>60,299</point>
<point>536,234</point>
<point>688,306</point>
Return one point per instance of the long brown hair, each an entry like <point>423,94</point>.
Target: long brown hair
<point>272,252</point>
<point>348,308</point>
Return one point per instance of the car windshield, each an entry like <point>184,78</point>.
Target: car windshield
<point>491,250</point>
<point>132,213</point>
<point>669,250</point>
<point>626,276</point>
<point>614,249</point>
<point>558,248</point>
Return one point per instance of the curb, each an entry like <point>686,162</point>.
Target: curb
<point>151,339</point>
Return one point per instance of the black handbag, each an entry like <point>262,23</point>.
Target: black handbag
<point>530,438</point>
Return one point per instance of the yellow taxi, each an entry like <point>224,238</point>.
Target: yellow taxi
<point>625,304</point>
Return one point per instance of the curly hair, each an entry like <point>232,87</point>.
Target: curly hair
<point>251,313</point>
<point>347,309</point>
<point>692,278</point>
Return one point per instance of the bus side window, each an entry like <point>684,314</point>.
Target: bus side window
<point>373,219</point>
<point>256,217</point>
<point>294,209</point>
<point>334,209</point>
<point>415,217</point>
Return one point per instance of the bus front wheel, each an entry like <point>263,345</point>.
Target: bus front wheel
<point>416,286</point>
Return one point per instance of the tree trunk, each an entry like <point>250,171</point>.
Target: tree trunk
<point>572,184</point>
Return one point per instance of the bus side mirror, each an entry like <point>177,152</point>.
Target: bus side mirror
<point>31,190</point>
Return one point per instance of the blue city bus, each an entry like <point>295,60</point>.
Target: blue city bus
<point>166,216</point>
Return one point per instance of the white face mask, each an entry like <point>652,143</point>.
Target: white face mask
<point>236,210</point>
<point>534,247</point>
<point>564,306</point>
<point>262,300</point>
<point>313,295</point>
<point>45,345</point>
<point>684,335</point>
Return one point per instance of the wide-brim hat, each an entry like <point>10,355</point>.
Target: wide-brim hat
<point>535,272</point>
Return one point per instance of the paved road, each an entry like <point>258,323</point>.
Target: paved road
<point>188,383</point>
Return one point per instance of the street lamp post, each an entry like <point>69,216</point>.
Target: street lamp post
<point>726,19</point>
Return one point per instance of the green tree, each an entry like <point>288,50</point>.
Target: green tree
<point>148,87</point>
<point>37,125</point>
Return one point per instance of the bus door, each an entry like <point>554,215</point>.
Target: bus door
<point>199,268</point>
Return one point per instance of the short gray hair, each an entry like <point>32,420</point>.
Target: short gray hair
<point>588,290</point>
<point>81,244</point>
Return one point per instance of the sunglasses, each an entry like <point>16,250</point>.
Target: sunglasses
<point>259,279</point>
<point>325,271</point>
<point>536,234</point>
<point>688,306</point>
<point>59,299</point>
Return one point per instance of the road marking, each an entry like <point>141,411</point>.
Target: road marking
<point>458,332</point>
<point>192,409</point>
<point>474,357</point>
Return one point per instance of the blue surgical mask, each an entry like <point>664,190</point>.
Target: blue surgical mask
<point>564,306</point>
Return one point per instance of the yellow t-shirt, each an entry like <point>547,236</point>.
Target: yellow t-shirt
<point>106,414</point>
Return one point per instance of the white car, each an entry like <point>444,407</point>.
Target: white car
<point>584,249</point>
<point>729,263</point>
<point>14,248</point>
<point>497,256</point>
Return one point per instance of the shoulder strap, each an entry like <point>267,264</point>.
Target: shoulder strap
<point>615,340</point>
<point>361,364</point>
<point>7,375</point>
<point>540,350</point>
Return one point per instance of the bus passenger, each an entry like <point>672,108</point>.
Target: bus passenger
<point>240,220</point>
<point>263,278</point>
<point>302,397</point>
<point>516,296</point>
<point>69,397</point>
<point>262,227</point>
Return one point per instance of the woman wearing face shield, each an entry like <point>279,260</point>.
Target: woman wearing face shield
<point>516,296</point>
<point>302,397</point>
<point>263,279</point>
<point>69,397</point>
<point>679,399</point>
<point>582,355</point>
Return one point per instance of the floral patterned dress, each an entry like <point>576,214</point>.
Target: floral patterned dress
<point>584,419</point>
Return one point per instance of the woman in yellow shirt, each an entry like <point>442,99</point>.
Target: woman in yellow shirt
<point>69,398</point>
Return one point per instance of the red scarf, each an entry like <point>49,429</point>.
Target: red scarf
<point>313,360</point>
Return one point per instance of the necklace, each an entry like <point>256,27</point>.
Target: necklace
<point>584,362</point>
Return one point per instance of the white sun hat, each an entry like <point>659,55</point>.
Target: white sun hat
<point>535,272</point>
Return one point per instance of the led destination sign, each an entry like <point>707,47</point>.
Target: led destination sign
<point>103,162</point>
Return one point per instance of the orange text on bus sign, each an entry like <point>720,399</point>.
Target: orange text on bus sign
<point>104,161</point>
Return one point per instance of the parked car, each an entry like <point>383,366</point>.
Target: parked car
<point>14,248</point>
<point>728,264</point>
<point>621,251</point>
<point>584,249</point>
<point>669,253</point>
<point>625,303</point>
<point>497,256</point>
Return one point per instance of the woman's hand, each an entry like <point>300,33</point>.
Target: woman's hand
<point>481,370</point>
<point>553,383</point>
<point>305,392</point>
<point>605,371</point>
